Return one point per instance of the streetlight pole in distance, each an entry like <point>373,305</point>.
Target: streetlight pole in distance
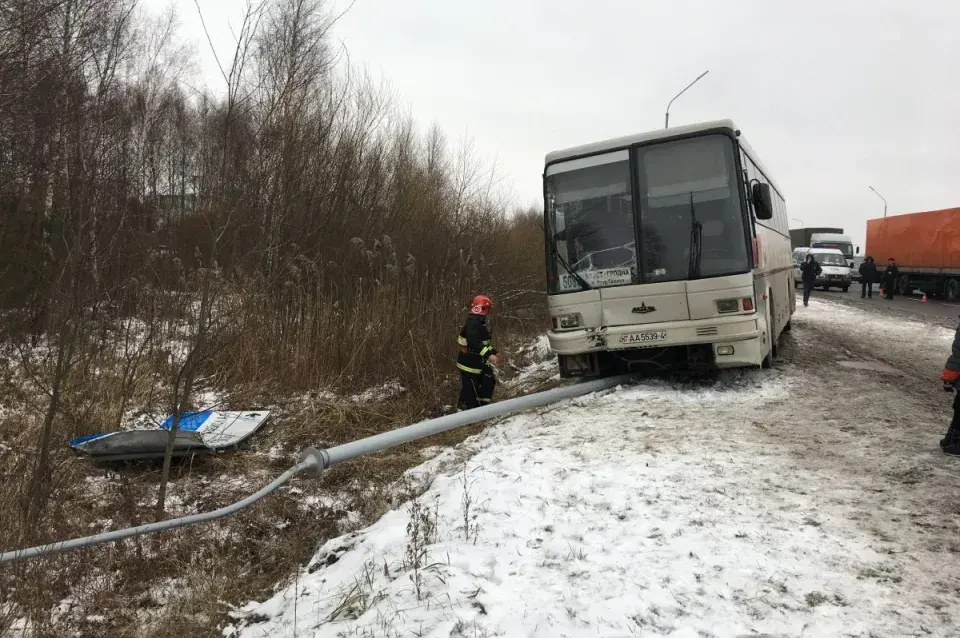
<point>881,197</point>
<point>798,220</point>
<point>666,119</point>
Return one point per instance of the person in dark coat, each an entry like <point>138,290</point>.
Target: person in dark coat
<point>810,270</point>
<point>950,377</point>
<point>475,357</point>
<point>868,275</point>
<point>890,277</point>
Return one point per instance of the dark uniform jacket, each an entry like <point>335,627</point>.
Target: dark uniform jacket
<point>811,270</point>
<point>474,345</point>
<point>869,272</point>
<point>953,361</point>
<point>890,274</point>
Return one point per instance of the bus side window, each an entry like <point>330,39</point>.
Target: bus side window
<point>778,217</point>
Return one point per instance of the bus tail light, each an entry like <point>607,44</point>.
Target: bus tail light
<point>748,304</point>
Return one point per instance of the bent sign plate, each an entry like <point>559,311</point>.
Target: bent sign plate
<point>197,433</point>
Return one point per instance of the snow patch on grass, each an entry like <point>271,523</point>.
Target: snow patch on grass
<point>380,393</point>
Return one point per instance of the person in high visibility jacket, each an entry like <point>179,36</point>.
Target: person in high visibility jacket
<point>475,357</point>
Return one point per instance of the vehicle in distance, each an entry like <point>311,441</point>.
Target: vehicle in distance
<point>833,264</point>
<point>665,249</point>
<point>825,238</point>
<point>800,237</point>
<point>927,249</point>
<point>839,241</point>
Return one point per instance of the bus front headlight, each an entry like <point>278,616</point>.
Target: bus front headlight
<point>728,305</point>
<point>567,322</point>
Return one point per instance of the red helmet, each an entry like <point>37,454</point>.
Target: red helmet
<point>480,305</point>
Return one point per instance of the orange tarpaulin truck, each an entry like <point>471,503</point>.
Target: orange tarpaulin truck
<point>926,247</point>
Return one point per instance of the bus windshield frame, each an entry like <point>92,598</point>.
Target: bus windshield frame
<point>678,199</point>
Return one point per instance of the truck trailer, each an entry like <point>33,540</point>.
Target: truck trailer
<point>926,247</point>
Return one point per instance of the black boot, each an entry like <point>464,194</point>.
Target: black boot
<point>950,443</point>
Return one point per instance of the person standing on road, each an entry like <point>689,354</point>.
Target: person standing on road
<point>890,277</point>
<point>868,275</point>
<point>810,270</point>
<point>475,357</point>
<point>950,377</point>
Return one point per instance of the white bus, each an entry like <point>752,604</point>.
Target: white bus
<point>665,249</point>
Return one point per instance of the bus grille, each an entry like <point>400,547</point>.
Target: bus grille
<point>707,332</point>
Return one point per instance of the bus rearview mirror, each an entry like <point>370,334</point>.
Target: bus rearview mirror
<point>762,200</point>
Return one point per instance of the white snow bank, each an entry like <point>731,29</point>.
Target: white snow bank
<point>605,516</point>
<point>543,366</point>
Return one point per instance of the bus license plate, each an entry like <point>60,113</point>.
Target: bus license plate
<point>643,337</point>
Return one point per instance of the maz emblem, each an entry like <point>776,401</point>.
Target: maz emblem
<point>643,309</point>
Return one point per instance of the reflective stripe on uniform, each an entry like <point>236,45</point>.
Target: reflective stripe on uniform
<point>462,341</point>
<point>486,350</point>
<point>469,370</point>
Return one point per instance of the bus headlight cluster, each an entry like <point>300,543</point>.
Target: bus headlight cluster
<point>566,322</point>
<point>735,305</point>
<point>728,305</point>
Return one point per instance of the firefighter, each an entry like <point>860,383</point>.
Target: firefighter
<point>475,357</point>
<point>950,377</point>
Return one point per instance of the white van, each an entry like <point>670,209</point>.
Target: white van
<point>836,273</point>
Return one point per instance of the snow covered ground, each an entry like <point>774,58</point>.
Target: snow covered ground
<point>808,500</point>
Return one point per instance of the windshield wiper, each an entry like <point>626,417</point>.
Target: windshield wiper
<point>696,242</point>
<point>563,262</point>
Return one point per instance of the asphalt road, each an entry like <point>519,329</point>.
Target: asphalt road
<point>939,312</point>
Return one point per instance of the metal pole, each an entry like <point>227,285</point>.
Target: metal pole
<point>666,119</point>
<point>881,197</point>
<point>379,442</point>
<point>798,220</point>
<point>308,463</point>
<point>313,462</point>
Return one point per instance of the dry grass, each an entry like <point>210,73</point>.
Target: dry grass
<point>185,582</point>
<point>296,235</point>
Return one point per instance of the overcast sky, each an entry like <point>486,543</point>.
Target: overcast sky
<point>834,95</point>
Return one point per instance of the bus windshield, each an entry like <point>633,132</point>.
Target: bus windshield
<point>689,216</point>
<point>690,193</point>
<point>590,223</point>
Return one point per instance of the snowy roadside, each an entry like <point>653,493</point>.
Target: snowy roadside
<point>753,506</point>
<point>898,340</point>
